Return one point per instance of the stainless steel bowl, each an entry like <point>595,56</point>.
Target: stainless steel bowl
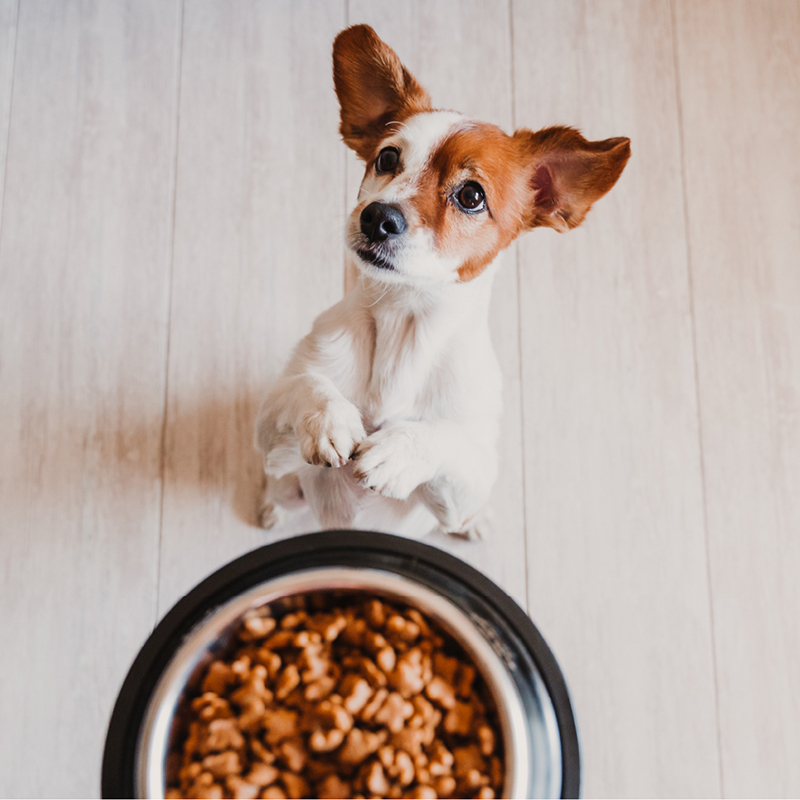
<point>538,731</point>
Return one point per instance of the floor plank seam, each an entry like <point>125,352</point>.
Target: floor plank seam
<point>165,411</point>
<point>690,284</point>
<point>519,318</point>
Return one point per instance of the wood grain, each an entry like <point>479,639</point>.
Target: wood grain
<point>616,541</point>
<point>257,257</point>
<point>651,358</point>
<point>84,266</point>
<point>438,41</point>
<point>740,92</point>
<point>8,42</point>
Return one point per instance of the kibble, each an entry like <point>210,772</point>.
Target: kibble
<point>365,700</point>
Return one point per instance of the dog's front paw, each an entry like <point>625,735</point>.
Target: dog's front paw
<point>329,435</point>
<point>394,461</point>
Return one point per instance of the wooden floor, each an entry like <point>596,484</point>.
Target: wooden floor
<point>173,194</point>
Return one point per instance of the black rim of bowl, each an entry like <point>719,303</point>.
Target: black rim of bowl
<point>268,561</point>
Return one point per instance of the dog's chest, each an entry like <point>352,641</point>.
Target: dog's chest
<point>403,371</point>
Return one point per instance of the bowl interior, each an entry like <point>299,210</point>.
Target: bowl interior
<point>163,726</point>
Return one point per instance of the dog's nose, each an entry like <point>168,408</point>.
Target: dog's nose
<point>380,221</point>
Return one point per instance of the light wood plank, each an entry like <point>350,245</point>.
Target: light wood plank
<point>8,41</point>
<point>740,89</point>
<point>460,51</point>
<point>257,256</point>
<point>617,551</point>
<point>84,270</point>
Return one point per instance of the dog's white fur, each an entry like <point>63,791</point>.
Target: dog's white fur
<point>403,370</point>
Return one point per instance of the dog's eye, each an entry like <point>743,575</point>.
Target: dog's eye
<point>471,197</point>
<point>387,160</point>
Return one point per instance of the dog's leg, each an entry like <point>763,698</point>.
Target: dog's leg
<point>280,501</point>
<point>325,425</point>
<point>452,468</point>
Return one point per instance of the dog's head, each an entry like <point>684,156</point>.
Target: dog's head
<point>443,194</point>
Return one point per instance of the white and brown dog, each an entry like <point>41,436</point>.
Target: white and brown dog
<point>386,417</point>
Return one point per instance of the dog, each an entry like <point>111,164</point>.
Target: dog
<point>387,415</point>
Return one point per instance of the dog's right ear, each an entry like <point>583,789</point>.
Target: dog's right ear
<point>373,87</point>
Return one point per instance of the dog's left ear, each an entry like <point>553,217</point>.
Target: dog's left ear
<point>373,87</point>
<point>566,174</point>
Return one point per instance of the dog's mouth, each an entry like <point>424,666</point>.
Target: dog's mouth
<point>376,259</point>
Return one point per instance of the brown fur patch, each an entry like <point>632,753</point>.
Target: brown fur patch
<point>373,87</point>
<point>485,154</point>
<point>568,174</point>
<point>549,178</point>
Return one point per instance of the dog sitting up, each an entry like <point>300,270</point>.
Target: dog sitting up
<point>387,415</point>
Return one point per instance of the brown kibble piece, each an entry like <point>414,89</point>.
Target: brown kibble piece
<point>485,793</point>
<point>329,626</point>
<point>261,752</point>
<point>360,744</point>
<point>209,706</point>
<point>422,793</point>
<point>256,628</point>
<point>407,676</point>
<point>271,660</point>
<point>371,672</point>
<point>356,692</point>
<point>459,719</point>
<point>394,712</point>
<point>441,761</point>
<point>374,641</point>
<point>296,787</point>
<point>319,689</point>
<point>441,692</point>
<point>445,786</point>
<point>252,715</point>
<point>376,613</point>
<point>409,739</point>
<point>376,780</point>
<point>279,640</point>
<point>386,658</point>
<point>486,739</point>
<point>467,759</point>
<point>371,708</point>
<point>466,677</point>
<point>279,724</point>
<point>325,741</point>
<point>288,681</point>
<point>293,754</point>
<point>204,787</point>
<point>218,678</point>
<point>262,774</point>
<point>223,734</point>
<point>222,764</point>
<point>273,792</point>
<point>334,788</point>
<point>416,616</point>
<point>404,768</point>
<point>291,621</point>
<point>212,791</point>
<point>398,627</point>
<point>386,755</point>
<point>496,772</point>
<point>445,667</point>
<point>242,789</point>
<point>333,714</point>
<point>473,779</point>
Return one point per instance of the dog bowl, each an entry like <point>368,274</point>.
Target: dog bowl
<point>535,716</point>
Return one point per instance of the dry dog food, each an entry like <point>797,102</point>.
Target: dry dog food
<point>365,700</point>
